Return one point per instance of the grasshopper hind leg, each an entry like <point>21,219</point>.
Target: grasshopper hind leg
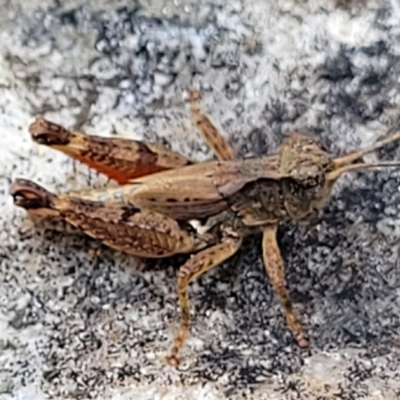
<point>140,233</point>
<point>119,159</point>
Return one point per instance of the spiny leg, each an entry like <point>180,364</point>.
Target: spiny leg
<point>194,267</point>
<point>140,233</point>
<point>118,158</point>
<point>214,139</point>
<point>274,265</point>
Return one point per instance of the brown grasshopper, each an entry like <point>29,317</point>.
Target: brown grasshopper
<point>168,205</point>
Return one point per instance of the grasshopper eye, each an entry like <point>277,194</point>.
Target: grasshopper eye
<point>313,144</point>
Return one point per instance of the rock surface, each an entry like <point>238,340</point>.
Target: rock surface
<point>74,325</point>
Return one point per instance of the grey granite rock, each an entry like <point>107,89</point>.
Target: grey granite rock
<point>77,326</point>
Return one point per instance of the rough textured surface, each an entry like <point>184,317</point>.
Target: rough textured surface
<point>77,326</point>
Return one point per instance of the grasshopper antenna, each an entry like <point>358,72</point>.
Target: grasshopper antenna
<point>343,164</point>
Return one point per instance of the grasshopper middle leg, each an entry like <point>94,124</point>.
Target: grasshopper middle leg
<point>274,265</point>
<point>194,267</point>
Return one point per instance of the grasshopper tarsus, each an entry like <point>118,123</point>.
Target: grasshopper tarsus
<point>172,360</point>
<point>152,216</point>
<point>302,339</point>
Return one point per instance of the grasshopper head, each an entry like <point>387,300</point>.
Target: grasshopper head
<point>309,172</point>
<point>304,160</point>
<point>303,163</point>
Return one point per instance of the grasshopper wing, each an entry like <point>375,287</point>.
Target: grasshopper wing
<point>200,190</point>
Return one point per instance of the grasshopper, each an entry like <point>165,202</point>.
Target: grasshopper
<point>166,205</point>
